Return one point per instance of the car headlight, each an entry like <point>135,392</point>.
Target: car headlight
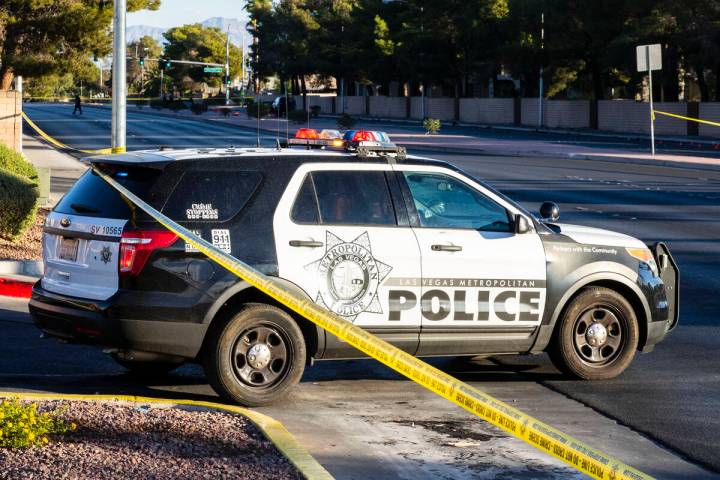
<point>645,256</point>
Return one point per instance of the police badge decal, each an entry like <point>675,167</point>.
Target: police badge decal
<point>349,276</point>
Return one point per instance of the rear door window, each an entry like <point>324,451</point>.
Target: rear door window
<point>91,196</point>
<point>353,198</point>
<point>214,196</point>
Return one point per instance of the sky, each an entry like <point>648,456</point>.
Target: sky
<point>179,12</point>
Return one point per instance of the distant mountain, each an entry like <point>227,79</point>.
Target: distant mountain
<point>136,32</point>
<point>234,26</point>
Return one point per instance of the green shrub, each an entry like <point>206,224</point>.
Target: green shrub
<point>431,125</point>
<point>252,109</point>
<point>345,121</point>
<point>298,116</point>
<point>157,103</point>
<point>177,105</point>
<point>14,162</point>
<point>22,426</point>
<point>18,204</point>
<point>315,111</point>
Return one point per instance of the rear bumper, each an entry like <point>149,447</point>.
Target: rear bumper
<point>94,323</point>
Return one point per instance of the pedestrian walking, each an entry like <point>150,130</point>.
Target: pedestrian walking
<point>78,107</point>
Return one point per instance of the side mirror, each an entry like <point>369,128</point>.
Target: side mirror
<point>549,211</point>
<point>521,224</point>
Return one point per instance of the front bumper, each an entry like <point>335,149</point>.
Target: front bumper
<point>670,276</point>
<point>90,322</point>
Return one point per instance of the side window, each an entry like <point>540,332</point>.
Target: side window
<point>213,196</point>
<point>445,202</point>
<point>353,198</point>
<point>305,207</point>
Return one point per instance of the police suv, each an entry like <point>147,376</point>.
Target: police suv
<point>415,251</point>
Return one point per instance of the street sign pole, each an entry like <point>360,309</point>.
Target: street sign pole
<point>652,115</point>
<point>649,58</point>
<point>119,101</point>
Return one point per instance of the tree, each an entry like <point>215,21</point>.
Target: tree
<point>197,43</point>
<point>38,37</point>
<point>148,48</point>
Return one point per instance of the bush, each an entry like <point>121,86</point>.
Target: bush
<point>345,121</point>
<point>315,111</point>
<point>14,162</point>
<point>252,109</point>
<point>18,204</point>
<point>157,103</point>
<point>177,105</point>
<point>431,125</point>
<point>22,426</point>
<point>298,116</point>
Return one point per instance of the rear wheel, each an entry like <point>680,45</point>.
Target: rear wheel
<point>255,357</point>
<point>597,336</point>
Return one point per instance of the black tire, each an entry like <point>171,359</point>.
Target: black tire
<point>597,336</point>
<point>256,356</point>
<point>146,369</point>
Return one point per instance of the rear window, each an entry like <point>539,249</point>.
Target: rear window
<point>214,196</point>
<point>91,196</point>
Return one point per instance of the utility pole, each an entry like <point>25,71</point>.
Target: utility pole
<point>542,60</point>
<point>227,67</point>
<point>119,100</point>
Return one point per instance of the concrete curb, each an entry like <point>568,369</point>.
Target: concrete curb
<point>29,268</point>
<point>273,430</point>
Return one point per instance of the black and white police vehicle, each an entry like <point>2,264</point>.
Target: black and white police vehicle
<point>415,251</point>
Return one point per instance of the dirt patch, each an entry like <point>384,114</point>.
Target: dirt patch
<point>453,428</point>
<point>28,246</point>
<point>120,441</point>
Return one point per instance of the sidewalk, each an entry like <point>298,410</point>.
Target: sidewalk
<point>497,140</point>
<point>64,169</point>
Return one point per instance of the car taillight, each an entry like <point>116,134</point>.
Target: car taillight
<point>137,245</point>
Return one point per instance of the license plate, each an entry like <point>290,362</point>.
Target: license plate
<point>69,249</point>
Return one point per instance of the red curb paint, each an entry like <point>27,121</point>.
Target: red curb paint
<point>15,288</point>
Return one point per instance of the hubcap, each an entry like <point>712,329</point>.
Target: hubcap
<point>261,356</point>
<point>598,335</point>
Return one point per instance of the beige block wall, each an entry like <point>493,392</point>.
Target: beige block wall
<point>634,117</point>
<point>487,110</point>
<point>353,105</point>
<point>567,113</point>
<point>442,108</point>
<point>388,107</point>
<point>710,111</point>
<point>11,119</point>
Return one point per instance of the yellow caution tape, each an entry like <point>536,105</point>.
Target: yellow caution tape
<point>62,145</point>
<point>271,428</point>
<point>698,120</point>
<point>538,434</point>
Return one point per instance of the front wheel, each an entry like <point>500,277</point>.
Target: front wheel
<point>255,357</point>
<point>597,336</point>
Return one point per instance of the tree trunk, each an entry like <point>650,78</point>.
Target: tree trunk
<point>704,91</point>
<point>597,83</point>
<point>303,87</point>
<point>670,82</point>
<point>6,77</point>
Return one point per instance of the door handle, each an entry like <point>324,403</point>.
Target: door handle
<point>306,243</point>
<point>445,248</point>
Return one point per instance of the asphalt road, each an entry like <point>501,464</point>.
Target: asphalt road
<point>672,395</point>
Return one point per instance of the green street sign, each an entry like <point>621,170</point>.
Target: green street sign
<point>213,69</point>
